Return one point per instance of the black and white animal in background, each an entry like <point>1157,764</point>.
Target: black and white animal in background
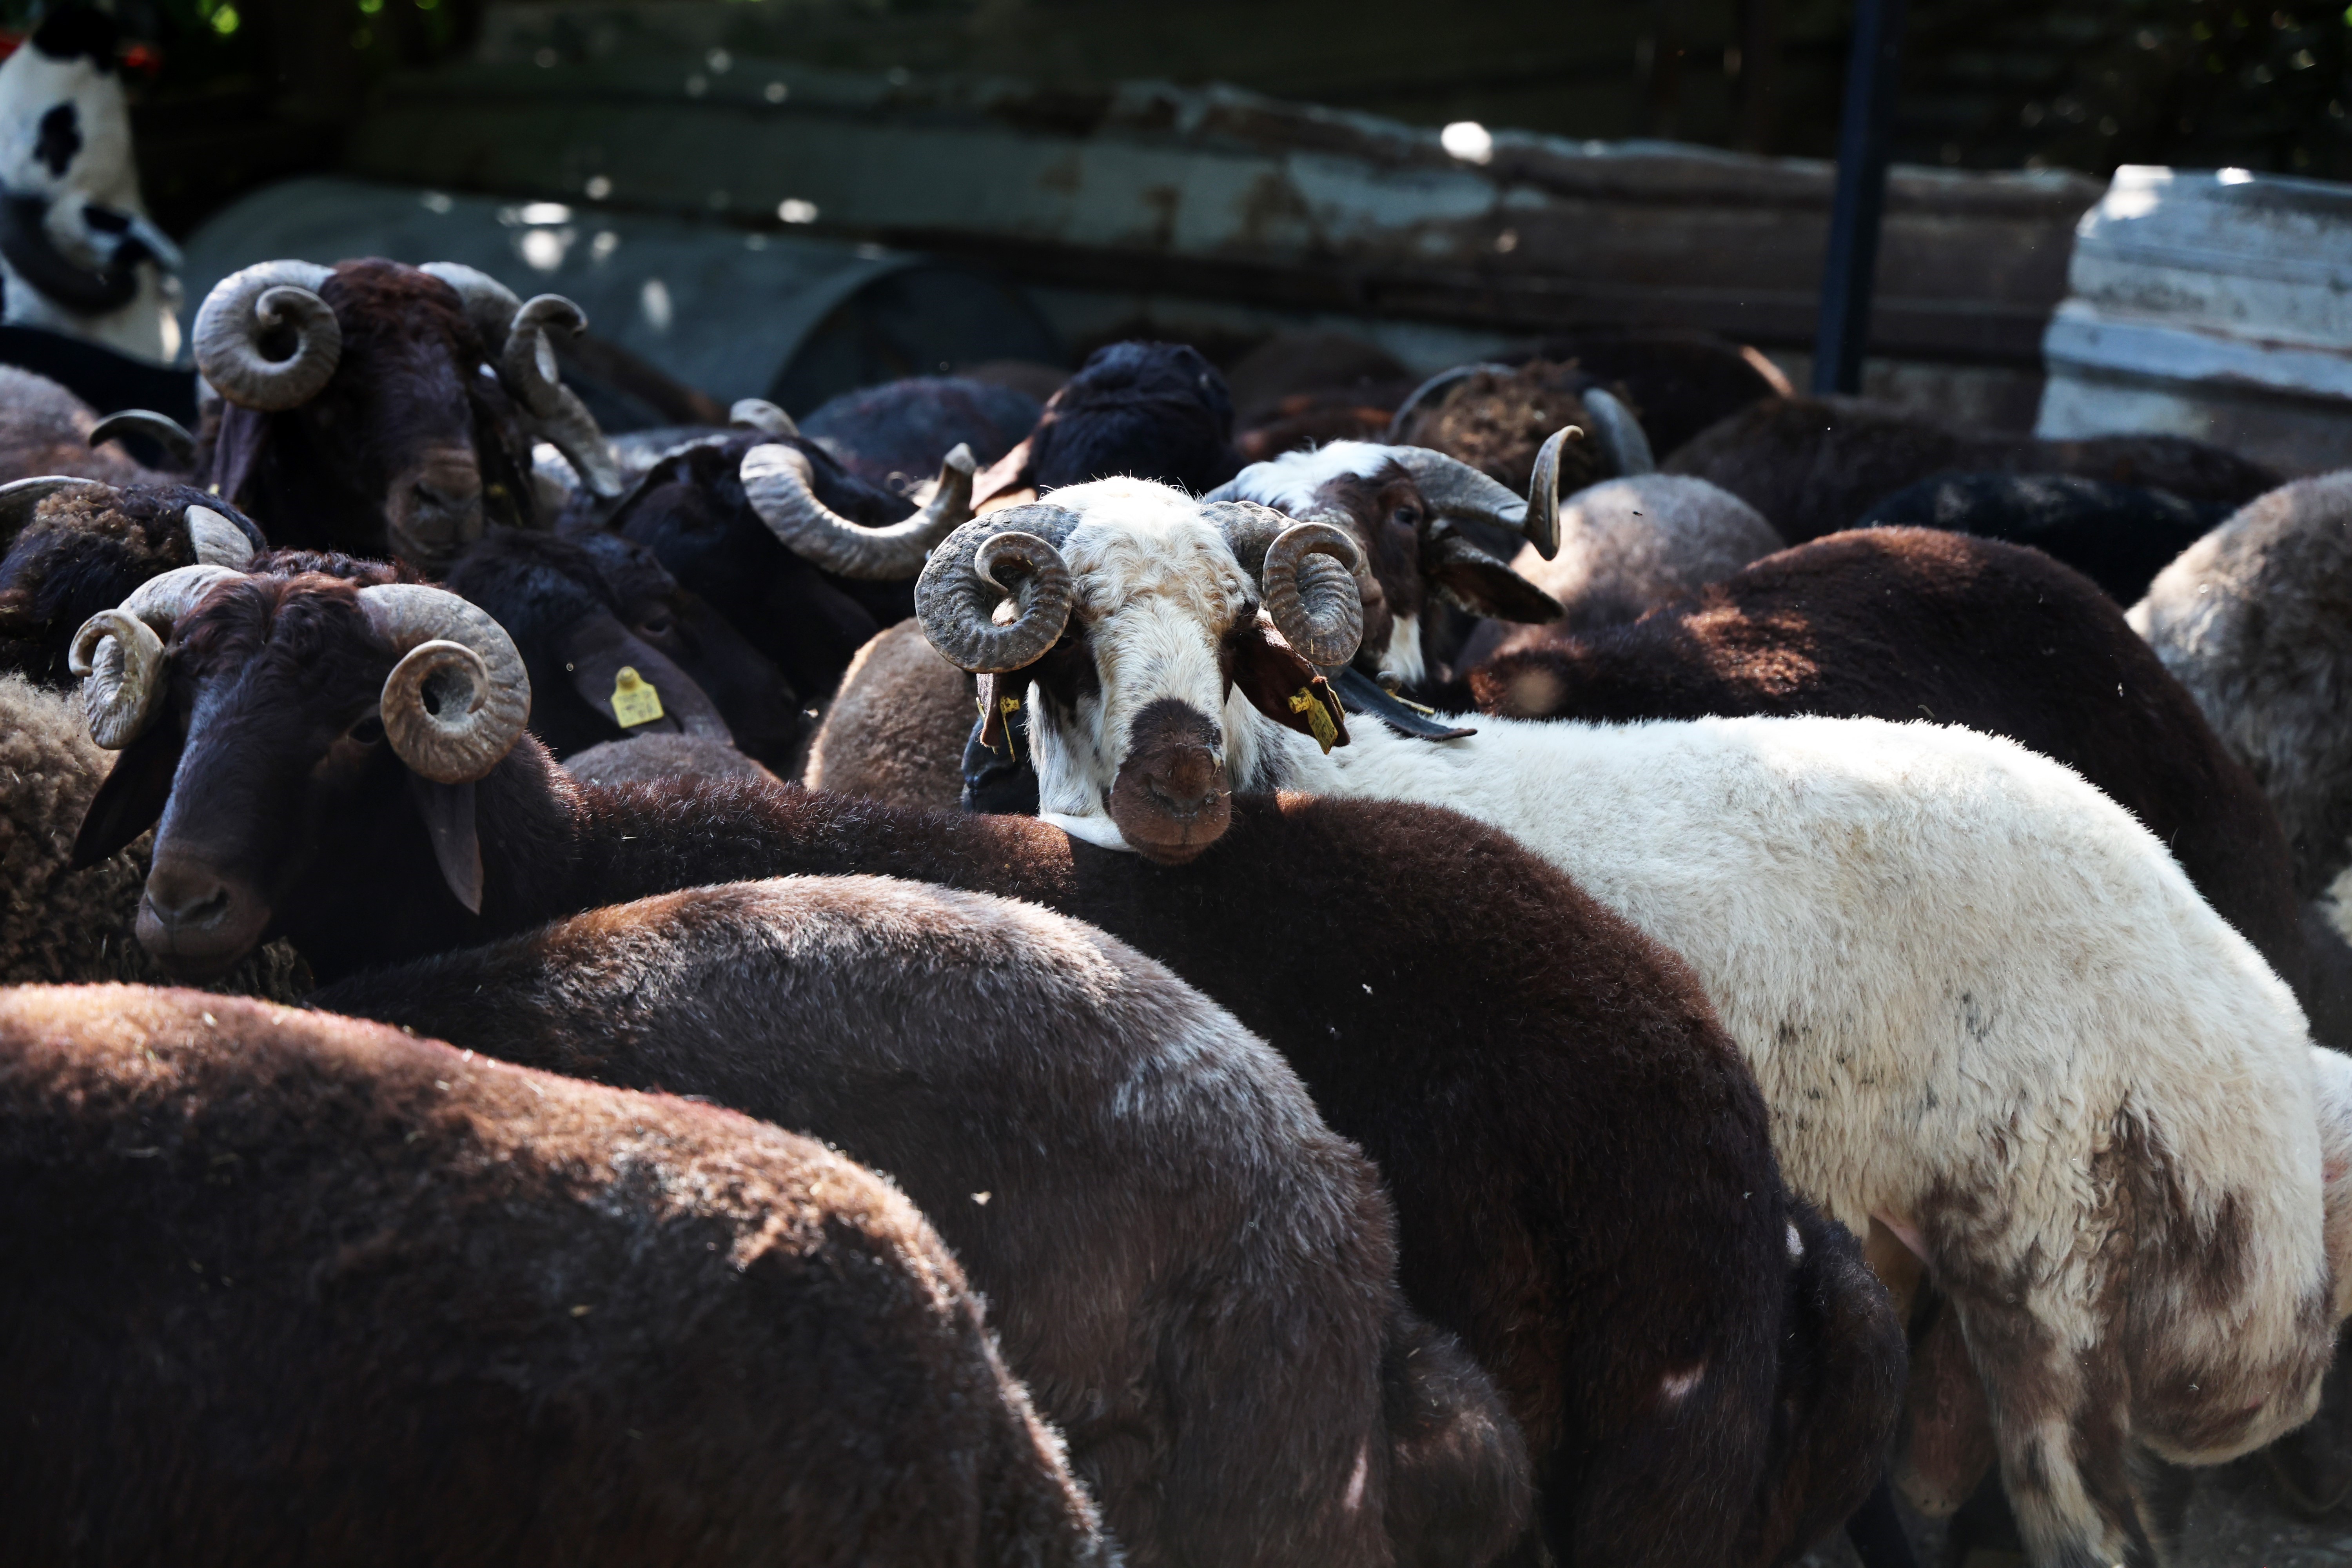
<point>78,251</point>
<point>1894,922</point>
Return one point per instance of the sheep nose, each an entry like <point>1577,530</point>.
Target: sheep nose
<point>1185,785</point>
<point>186,898</point>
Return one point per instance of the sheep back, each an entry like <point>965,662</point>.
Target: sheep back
<point>1163,1224</point>
<point>895,731</point>
<point>288,1287</point>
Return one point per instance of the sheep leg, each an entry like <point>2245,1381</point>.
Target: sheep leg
<point>2062,1423</point>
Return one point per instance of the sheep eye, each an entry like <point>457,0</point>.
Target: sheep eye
<point>654,625</point>
<point>367,729</point>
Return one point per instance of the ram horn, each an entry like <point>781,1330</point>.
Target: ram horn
<point>459,699</point>
<point>161,428</point>
<point>1430,391</point>
<point>759,414</point>
<point>243,310</point>
<point>216,541</point>
<point>21,498</point>
<point>1306,571</point>
<point>1455,490</point>
<point>558,417</point>
<point>956,596</point>
<point>120,653</point>
<point>490,304</point>
<point>1623,445</point>
<point>777,480</point>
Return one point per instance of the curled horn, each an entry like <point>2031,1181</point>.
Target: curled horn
<point>245,306</point>
<point>448,735</point>
<point>20,498</point>
<point>1314,602</point>
<point>218,541</point>
<point>1453,488</point>
<point>514,334</point>
<point>161,428</point>
<point>118,653</point>
<point>562,420</point>
<point>1624,445</point>
<point>776,480</point>
<point>955,598</point>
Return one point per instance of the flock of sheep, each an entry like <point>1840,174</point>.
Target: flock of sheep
<point>1315,970</point>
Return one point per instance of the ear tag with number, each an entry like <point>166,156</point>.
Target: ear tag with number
<point>634,701</point>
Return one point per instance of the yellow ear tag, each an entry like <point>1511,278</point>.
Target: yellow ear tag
<point>634,701</point>
<point>1318,719</point>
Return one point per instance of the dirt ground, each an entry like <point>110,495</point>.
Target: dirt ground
<point>2236,1519</point>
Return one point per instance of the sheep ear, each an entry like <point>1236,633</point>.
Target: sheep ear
<point>1467,576</point>
<point>448,812</point>
<point>1283,685</point>
<point>133,795</point>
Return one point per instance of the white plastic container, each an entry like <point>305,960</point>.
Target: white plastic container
<point>2213,304</point>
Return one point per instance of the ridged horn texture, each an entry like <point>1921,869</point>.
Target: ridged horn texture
<point>20,499</point>
<point>161,428</point>
<point>120,653</point>
<point>956,596</point>
<point>217,540</point>
<point>560,418</point>
<point>448,735</point>
<point>759,414</point>
<point>514,334</point>
<point>1430,391</point>
<point>245,306</point>
<point>777,479</point>
<point>1307,575</point>
<point>1623,443</point>
<point>1453,488</point>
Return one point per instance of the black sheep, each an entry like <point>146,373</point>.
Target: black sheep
<point>2119,536</point>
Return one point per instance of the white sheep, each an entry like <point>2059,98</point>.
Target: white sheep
<point>1988,1010</point>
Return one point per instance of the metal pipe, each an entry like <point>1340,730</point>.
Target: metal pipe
<point>1844,333</point>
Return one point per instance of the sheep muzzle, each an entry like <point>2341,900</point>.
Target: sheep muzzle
<point>1171,799</point>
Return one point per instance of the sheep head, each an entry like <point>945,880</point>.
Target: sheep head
<point>258,715</point>
<point>1140,617</point>
<point>377,407</point>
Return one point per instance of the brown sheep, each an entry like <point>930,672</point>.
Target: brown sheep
<point>894,731</point>
<point>1196,1279</point>
<point>45,430</point>
<point>284,1288</point>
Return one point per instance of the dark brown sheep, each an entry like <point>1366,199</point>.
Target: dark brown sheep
<point>45,430</point>
<point>283,1287</point>
<point>1583,1176</point>
<point>1196,1279</point>
<point>1901,623</point>
<point>69,550</point>
<point>1816,465</point>
<point>383,409</point>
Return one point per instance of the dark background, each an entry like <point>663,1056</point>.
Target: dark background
<point>247,91</point>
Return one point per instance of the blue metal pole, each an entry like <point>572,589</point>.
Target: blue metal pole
<point>1843,333</point>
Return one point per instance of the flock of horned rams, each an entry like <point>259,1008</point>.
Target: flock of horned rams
<point>1291,968</point>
